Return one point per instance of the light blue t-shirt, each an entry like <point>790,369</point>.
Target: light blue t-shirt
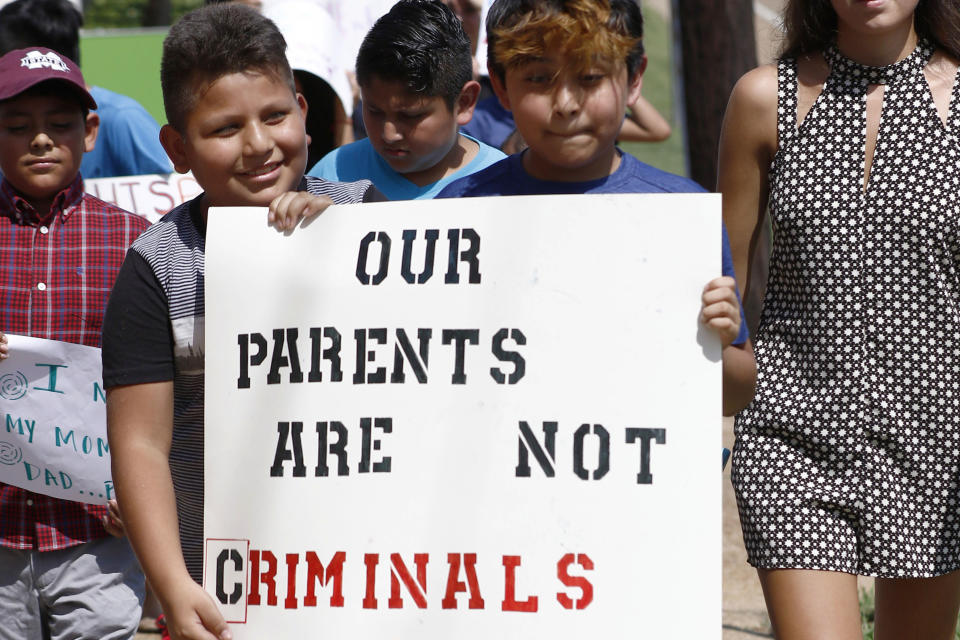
<point>359,161</point>
<point>128,143</point>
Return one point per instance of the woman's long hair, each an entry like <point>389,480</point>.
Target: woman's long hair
<point>811,25</point>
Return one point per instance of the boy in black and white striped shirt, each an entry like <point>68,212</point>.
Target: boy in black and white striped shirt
<point>237,123</point>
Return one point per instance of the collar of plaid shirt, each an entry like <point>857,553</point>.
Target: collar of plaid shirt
<point>16,207</point>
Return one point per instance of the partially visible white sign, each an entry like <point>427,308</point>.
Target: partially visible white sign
<point>150,195</point>
<point>54,436</point>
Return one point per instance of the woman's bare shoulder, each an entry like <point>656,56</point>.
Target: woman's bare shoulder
<point>757,88</point>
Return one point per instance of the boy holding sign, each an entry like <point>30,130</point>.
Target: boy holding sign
<point>61,573</point>
<point>567,69</point>
<point>237,123</point>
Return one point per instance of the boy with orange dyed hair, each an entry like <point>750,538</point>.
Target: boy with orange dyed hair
<point>567,69</point>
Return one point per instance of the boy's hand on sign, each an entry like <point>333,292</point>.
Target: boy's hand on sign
<point>720,309</point>
<point>192,615</point>
<point>288,209</point>
<point>4,347</point>
<point>112,522</point>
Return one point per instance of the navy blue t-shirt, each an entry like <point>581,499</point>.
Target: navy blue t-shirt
<point>508,178</point>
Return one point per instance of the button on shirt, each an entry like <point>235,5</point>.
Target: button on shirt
<point>56,273</point>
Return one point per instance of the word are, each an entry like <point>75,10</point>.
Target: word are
<point>411,579</point>
<point>325,344</point>
<point>290,448</point>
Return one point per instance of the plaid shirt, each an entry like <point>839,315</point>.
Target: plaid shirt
<point>55,277</point>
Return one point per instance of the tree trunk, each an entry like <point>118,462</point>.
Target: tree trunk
<point>717,47</point>
<point>157,13</point>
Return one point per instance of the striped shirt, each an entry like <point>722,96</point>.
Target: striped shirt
<point>153,332</point>
<point>55,276</point>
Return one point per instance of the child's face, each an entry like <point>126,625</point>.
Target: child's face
<point>570,119</point>
<point>412,132</point>
<point>244,140</point>
<point>42,141</point>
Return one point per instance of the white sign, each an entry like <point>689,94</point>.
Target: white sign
<point>476,418</point>
<point>54,439</point>
<point>151,196</point>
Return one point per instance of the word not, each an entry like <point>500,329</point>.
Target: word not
<point>461,578</point>
<point>469,256</point>
<point>324,345</point>
<point>545,452</point>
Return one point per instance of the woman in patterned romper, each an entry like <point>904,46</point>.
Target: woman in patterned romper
<point>848,461</point>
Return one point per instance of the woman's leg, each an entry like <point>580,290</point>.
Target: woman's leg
<point>921,608</point>
<point>811,605</point>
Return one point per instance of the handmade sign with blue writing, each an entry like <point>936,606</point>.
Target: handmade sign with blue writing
<point>53,438</point>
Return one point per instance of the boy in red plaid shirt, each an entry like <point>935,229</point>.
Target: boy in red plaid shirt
<point>62,575</point>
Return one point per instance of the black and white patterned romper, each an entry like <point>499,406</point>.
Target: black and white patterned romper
<point>848,457</point>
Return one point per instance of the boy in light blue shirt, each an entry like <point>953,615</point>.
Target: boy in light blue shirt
<point>416,82</point>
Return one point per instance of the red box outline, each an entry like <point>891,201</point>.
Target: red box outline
<point>246,574</point>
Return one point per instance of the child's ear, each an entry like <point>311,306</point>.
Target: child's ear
<point>302,103</point>
<point>466,101</point>
<point>173,144</point>
<point>635,83</point>
<point>91,127</point>
<point>499,89</point>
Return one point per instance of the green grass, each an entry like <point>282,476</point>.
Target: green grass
<point>127,64</point>
<point>658,89</point>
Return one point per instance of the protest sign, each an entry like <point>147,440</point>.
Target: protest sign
<point>151,196</point>
<point>54,439</point>
<point>475,418</point>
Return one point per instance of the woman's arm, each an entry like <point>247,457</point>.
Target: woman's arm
<point>748,142</point>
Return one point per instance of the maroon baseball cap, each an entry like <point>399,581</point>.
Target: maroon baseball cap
<point>23,68</point>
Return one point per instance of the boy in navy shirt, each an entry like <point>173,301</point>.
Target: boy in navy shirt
<point>567,69</point>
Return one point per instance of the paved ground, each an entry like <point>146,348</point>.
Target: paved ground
<point>744,613</point>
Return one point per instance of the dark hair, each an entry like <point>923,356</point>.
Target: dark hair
<point>811,25</point>
<point>321,114</point>
<point>54,24</point>
<point>214,41</point>
<point>530,23</point>
<point>420,43</point>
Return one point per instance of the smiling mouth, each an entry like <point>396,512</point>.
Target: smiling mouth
<point>261,171</point>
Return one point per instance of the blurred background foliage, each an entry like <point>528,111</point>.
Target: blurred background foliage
<point>110,14</point>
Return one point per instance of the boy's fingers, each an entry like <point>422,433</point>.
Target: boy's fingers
<point>278,209</point>
<point>720,309</point>
<point>113,528</point>
<point>213,621</point>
